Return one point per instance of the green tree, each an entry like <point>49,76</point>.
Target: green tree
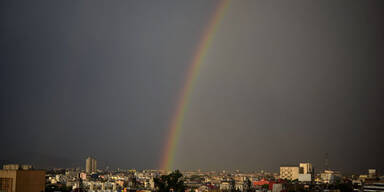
<point>248,185</point>
<point>172,182</point>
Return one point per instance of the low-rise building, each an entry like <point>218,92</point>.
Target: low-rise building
<point>329,176</point>
<point>305,177</point>
<point>289,172</point>
<point>372,173</point>
<point>377,187</point>
<point>225,186</point>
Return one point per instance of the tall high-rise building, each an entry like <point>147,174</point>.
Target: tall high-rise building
<point>90,165</point>
<point>94,167</point>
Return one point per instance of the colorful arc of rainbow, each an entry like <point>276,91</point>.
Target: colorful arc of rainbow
<point>191,76</point>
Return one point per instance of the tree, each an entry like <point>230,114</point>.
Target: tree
<point>172,182</point>
<point>248,185</point>
<point>232,184</point>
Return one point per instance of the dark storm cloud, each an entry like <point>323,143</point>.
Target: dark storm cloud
<point>288,81</point>
<point>284,81</point>
<point>81,78</point>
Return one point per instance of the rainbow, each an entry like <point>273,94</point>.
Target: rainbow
<point>191,76</point>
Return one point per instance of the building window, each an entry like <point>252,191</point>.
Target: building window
<point>5,184</point>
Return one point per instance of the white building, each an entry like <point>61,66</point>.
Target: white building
<point>277,187</point>
<point>224,186</point>
<point>306,173</point>
<point>305,177</point>
<point>289,172</point>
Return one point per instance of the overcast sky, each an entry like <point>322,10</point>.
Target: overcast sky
<point>283,82</point>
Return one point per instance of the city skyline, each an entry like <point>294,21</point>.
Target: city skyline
<point>189,85</point>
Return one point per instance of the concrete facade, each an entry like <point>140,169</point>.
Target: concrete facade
<point>22,180</point>
<point>289,172</point>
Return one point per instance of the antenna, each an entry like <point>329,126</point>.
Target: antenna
<point>326,162</point>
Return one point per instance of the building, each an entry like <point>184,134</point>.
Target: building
<point>277,187</point>
<point>11,167</point>
<point>94,167</point>
<point>225,186</point>
<point>372,173</point>
<point>16,167</point>
<point>289,172</point>
<point>90,165</point>
<point>305,178</point>
<point>306,172</point>
<point>329,176</point>
<point>22,180</point>
<point>306,168</point>
<point>376,187</point>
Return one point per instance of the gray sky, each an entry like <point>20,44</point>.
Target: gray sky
<point>283,82</point>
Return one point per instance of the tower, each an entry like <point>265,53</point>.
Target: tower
<point>90,165</point>
<point>326,163</point>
